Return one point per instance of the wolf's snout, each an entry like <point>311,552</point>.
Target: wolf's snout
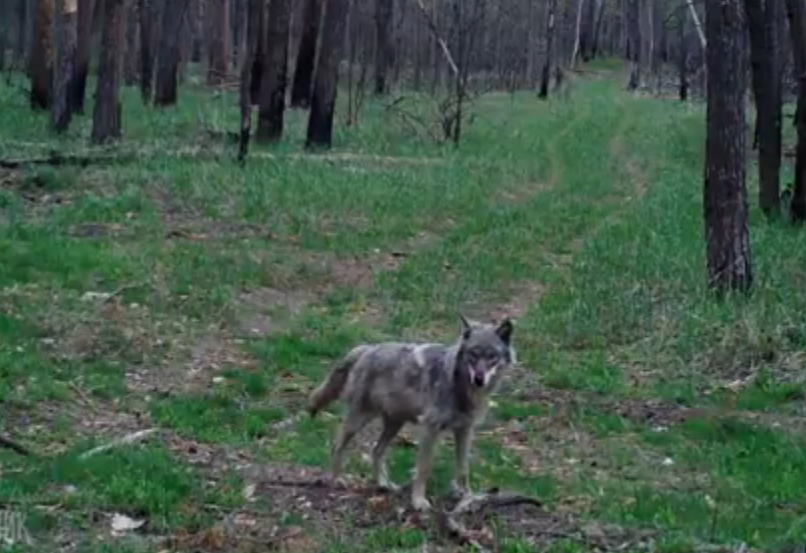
<point>478,379</point>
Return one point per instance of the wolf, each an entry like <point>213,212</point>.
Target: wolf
<point>438,386</point>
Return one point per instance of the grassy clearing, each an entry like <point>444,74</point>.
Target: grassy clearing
<point>185,292</point>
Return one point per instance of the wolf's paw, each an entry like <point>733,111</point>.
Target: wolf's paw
<point>421,504</point>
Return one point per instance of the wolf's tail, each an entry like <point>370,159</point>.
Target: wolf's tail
<point>330,390</point>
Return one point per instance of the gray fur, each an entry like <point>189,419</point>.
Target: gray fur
<point>441,387</point>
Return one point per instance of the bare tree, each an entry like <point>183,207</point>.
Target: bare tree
<point>634,42</point>
<point>383,43</point>
<point>796,13</point>
<point>725,194</point>
<point>245,86</point>
<point>682,60</point>
<point>106,123</point>
<point>41,62</point>
<point>147,13</point>
<point>131,63</point>
<point>306,56</point>
<point>218,54</point>
<point>275,75</point>
<point>86,9</point>
<point>323,97</point>
<point>762,21</point>
<point>545,76</point>
<point>165,87</point>
<point>61,108</point>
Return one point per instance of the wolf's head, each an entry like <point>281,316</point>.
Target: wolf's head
<point>485,352</point>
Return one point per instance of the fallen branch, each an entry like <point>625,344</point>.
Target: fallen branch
<point>493,500</point>
<point>14,446</point>
<point>128,439</point>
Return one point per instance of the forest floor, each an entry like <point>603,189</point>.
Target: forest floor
<point>171,289</point>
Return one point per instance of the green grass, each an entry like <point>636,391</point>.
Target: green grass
<point>594,201</point>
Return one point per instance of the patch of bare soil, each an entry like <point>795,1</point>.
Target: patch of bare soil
<point>523,296</point>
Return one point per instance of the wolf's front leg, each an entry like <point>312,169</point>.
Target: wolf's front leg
<point>460,485</point>
<point>424,459</point>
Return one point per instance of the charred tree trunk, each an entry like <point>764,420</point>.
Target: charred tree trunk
<point>323,97</point>
<point>762,21</point>
<point>634,42</point>
<point>682,62</point>
<point>165,89</point>
<point>217,12</point>
<point>384,9</point>
<point>725,195</point>
<point>306,55</point>
<point>146,48</point>
<point>245,88</point>
<point>275,76</point>
<point>106,123</point>
<point>41,62</point>
<point>545,76</point>
<point>61,108</point>
<point>797,28</point>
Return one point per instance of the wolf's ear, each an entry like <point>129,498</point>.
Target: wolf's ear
<point>466,330</point>
<point>504,330</point>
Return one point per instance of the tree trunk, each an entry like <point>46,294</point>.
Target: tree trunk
<point>682,63</point>
<point>146,48</point>
<point>218,25</point>
<point>545,76</point>
<point>22,30</point>
<point>797,28</point>
<point>586,38</point>
<point>306,55</point>
<point>725,195</point>
<point>61,108</point>
<point>383,44</point>
<point>323,98</point>
<point>86,9</point>
<point>634,42</point>
<point>41,63</point>
<point>275,75</point>
<point>106,124</point>
<point>762,19</point>
<point>165,87</point>
<point>245,89</point>
<point>259,56</point>
<point>132,44</point>
<point>598,29</point>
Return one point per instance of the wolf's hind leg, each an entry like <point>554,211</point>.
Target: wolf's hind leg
<point>379,473</point>
<point>356,420</point>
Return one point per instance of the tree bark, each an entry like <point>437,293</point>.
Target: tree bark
<point>245,89</point>
<point>545,76</point>
<point>218,54</point>
<point>275,76</point>
<point>762,22</point>
<point>22,30</point>
<point>682,62</point>
<point>259,56</point>
<point>131,63</point>
<point>383,44</point>
<point>147,13</point>
<point>41,62</point>
<point>797,28</point>
<point>106,123</point>
<point>61,108</point>
<point>86,9</point>
<point>634,42</point>
<point>323,98</point>
<point>724,194</point>
<point>165,89</point>
<point>598,29</point>
<point>586,38</point>
<point>306,55</point>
